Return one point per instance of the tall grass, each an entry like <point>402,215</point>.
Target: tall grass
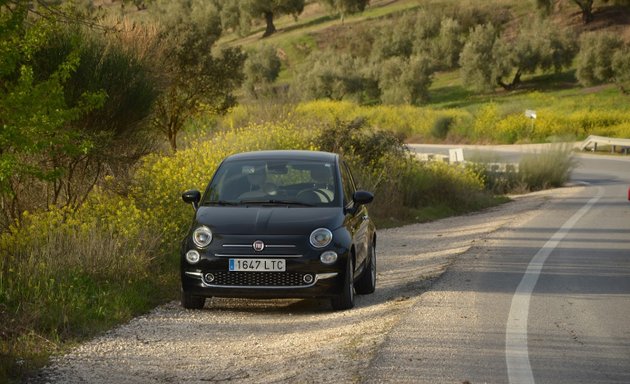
<point>547,169</point>
<point>543,169</point>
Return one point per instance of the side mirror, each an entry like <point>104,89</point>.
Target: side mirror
<point>362,197</point>
<point>193,197</point>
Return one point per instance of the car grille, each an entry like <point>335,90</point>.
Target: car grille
<point>259,279</point>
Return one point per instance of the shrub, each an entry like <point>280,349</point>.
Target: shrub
<point>594,60</point>
<point>261,70</point>
<point>441,126</point>
<point>336,76</point>
<point>621,69</point>
<point>485,123</point>
<point>405,81</point>
<point>477,59</point>
<point>547,169</point>
<point>448,45</point>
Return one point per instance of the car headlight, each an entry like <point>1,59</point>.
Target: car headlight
<point>328,257</point>
<point>202,236</point>
<point>320,237</point>
<point>192,256</point>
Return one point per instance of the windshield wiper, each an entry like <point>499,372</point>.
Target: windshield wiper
<point>276,202</point>
<point>219,202</point>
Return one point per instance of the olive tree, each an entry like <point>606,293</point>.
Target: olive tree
<point>194,78</point>
<point>490,59</point>
<point>479,59</point>
<point>345,7</point>
<point>238,15</point>
<point>447,46</point>
<point>336,76</point>
<point>539,46</point>
<point>595,58</point>
<point>621,69</point>
<point>405,80</point>
<point>261,70</point>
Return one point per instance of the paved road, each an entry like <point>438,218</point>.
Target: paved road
<point>545,299</point>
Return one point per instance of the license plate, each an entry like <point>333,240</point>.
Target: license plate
<point>258,265</point>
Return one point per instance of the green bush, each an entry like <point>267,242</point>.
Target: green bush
<point>336,76</point>
<point>594,60</point>
<point>547,169</point>
<point>441,126</point>
<point>261,70</point>
<point>405,80</point>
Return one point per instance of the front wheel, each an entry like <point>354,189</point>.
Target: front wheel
<point>345,300</point>
<point>191,301</point>
<point>367,283</point>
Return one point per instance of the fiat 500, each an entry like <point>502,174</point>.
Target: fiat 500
<point>279,224</point>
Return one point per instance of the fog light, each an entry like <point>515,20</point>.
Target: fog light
<point>192,256</point>
<point>328,257</point>
<point>308,279</point>
<point>208,277</point>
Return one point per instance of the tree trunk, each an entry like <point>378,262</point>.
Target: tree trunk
<point>172,139</point>
<point>587,10</point>
<point>514,84</point>
<point>270,27</point>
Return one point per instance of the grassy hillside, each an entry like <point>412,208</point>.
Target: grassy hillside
<point>558,94</point>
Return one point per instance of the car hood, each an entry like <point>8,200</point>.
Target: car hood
<point>269,220</point>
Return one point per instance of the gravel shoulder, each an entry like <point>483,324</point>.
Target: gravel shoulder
<point>249,341</point>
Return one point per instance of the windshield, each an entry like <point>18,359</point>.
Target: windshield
<point>273,182</point>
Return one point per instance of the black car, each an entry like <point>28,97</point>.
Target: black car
<point>279,224</point>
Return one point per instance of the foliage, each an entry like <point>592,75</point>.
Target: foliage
<point>353,139</point>
<point>268,9</point>
<point>448,44</point>
<point>405,81</point>
<point>261,70</point>
<point>545,6</point>
<point>33,109</point>
<point>478,54</point>
<point>194,79</point>
<point>383,165</point>
<point>621,69</point>
<point>488,58</point>
<point>345,7</point>
<point>115,134</point>
<point>594,60</point>
<point>336,76</point>
<point>68,273</point>
<point>441,126</point>
<point>234,17</point>
<point>586,6</point>
<point>547,169</point>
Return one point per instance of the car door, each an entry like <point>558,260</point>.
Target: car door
<point>356,217</point>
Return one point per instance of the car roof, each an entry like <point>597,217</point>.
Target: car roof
<point>285,155</point>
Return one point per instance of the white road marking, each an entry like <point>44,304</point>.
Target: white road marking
<point>516,353</point>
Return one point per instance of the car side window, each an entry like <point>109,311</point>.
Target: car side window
<point>348,184</point>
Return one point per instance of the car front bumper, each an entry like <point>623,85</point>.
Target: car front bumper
<point>304,277</point>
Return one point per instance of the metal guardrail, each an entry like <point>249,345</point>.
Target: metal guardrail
<point>456,156</point>
<point>594,141</point>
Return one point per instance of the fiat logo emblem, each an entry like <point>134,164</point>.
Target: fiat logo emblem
<point>258,245</point>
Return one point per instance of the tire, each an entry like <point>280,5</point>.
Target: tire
<point>192,302</point>
<point>345,300</point>
<point>367,283</point>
